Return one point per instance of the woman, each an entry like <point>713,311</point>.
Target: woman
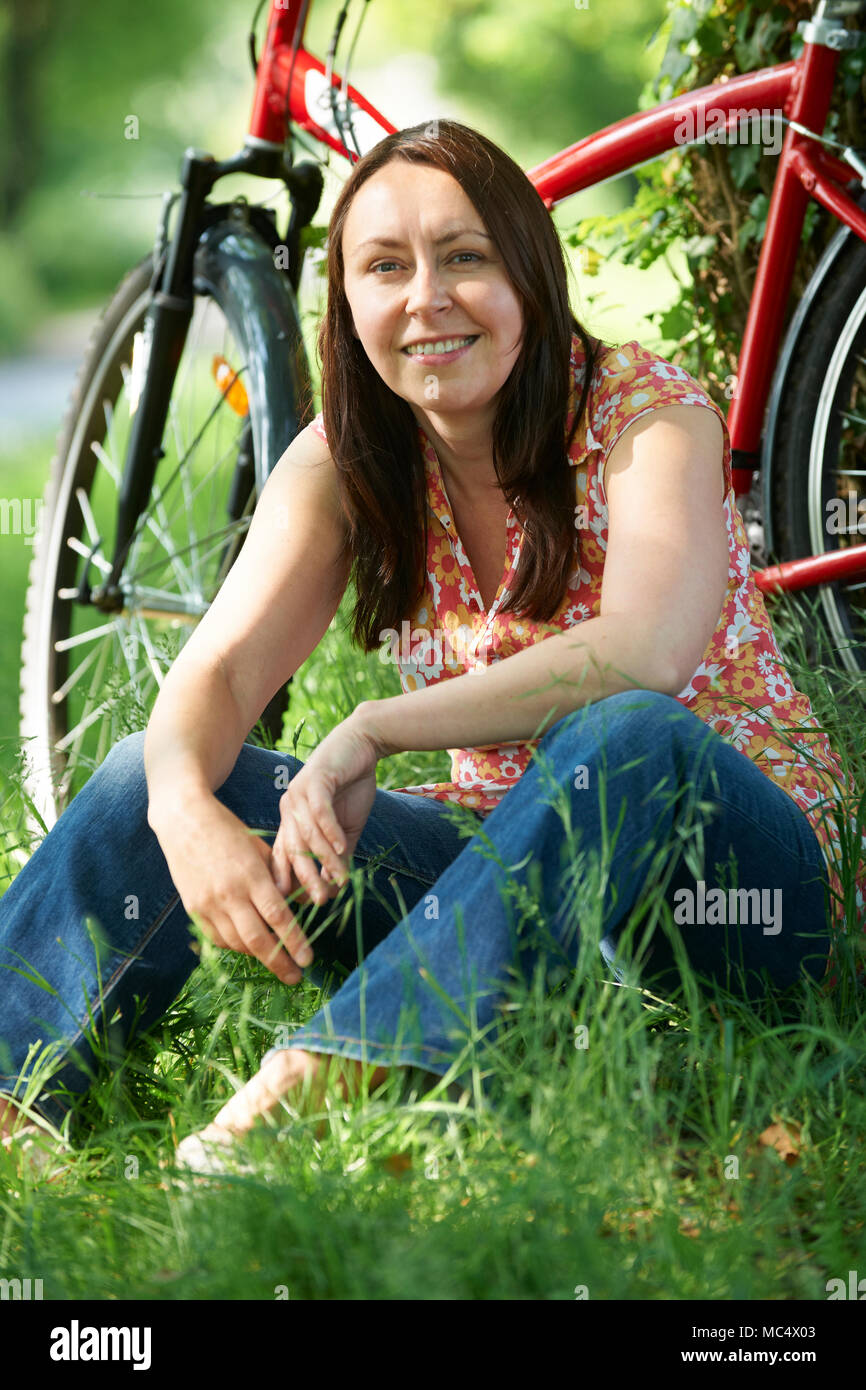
<point>486,471</point>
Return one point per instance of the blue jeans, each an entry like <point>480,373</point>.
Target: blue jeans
<point>447,915</point>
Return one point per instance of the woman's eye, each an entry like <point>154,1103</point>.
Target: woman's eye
<point>386,265</point>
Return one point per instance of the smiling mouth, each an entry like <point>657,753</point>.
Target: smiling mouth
<point>439,349</point>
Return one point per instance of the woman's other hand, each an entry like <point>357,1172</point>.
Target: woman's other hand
<point>223,873</point>
<point>323,811</point>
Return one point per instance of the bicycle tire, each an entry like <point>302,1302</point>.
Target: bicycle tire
<point>50,779</point>
<point>814,445</point>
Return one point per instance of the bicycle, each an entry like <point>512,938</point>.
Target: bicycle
<point>130,467</point>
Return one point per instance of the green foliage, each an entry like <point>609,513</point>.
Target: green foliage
<point>710,202</point>
<point>22,299</point>
<point>623,1143</point>
<point>87,194</point>
<point>604,1166</point>
<point>544,76</point>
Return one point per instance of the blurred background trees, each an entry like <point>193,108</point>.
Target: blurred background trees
<point>98,101</point>
<point>80,183</point>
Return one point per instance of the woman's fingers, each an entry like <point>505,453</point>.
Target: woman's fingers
<point>219,928</point>
<point>281,863</point>
<point>266,946</point>
<point>329,842</point>
<point>277,919</point>
<point>240,927</point>
<point>303,838</point>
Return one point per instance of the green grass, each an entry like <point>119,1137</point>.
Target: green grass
<point>637,1166</point>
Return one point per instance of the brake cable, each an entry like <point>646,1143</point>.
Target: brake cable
<point>252,37</point>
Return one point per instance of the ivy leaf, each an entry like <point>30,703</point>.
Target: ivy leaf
<point>741,24</point>
<point>684,26</point>
<point>674,323</point>
<point>743,160</point>
<point>757,51</point>
<point>697,246</point>
<point>313,236</point>
<point>755,225</point>
<point>642,242</point>
<point>712,36</point>
<point>674,66</point>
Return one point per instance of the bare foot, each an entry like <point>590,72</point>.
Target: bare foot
<point>289,1071</point>
<point>11,1116</point>
<point>263,1094</point>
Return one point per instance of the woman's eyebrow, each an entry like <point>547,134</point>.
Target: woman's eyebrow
<point>451,234</point>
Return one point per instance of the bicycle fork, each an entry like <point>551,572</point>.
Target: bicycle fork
<point>164,333</point>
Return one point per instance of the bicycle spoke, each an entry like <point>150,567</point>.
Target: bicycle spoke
<point>144,638</point>
<point>182,462</point>
<point>225,531</point>
<point>64,644</point>
<point>104,669</point>
<point>75,544</point>
<point>91,718</point>
<point>109,467</point>
<point>71,747</point>
<point>89,519</point>
<point>75,676</point>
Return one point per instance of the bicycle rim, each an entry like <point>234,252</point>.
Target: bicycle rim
<point>94,676</point>
<point>836,457</point>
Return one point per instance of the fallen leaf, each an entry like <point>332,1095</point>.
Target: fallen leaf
<point>398,1163</point>
<point>785,1139</point>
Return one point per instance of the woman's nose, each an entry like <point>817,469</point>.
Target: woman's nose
<point>426,288</point>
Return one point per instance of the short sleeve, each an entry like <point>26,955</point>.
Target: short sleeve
<point>629,382</point>
<point>318,424</point>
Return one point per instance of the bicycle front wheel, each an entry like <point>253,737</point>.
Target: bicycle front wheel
<point>88,677</point>
<point>818,469</point>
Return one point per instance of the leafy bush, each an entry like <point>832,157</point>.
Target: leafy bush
<point>711,200</point>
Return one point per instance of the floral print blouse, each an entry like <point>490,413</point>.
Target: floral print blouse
<point>740,687</point>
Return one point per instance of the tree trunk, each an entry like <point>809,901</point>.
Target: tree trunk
<point>27,35</point>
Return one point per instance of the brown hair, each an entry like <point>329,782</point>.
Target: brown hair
<point>373,434</point>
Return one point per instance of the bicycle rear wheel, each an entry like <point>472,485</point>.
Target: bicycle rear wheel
<point>88,677</point>
<point>818,468</point>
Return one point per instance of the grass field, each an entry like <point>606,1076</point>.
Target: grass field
<point>692,1149</point>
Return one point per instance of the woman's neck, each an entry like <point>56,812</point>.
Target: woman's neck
<point>463,446</point>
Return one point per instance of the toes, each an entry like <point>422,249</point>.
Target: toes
<point>262,1094</point>
<point>210,1151</point>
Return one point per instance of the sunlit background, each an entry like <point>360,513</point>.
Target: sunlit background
<point>80,200</point>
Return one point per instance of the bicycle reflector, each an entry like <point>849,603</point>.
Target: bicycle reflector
<point>230,385</point>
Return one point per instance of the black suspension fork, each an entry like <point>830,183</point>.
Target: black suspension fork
<point>164,332</point>
<point>166,323</point>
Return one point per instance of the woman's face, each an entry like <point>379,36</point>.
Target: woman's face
<point>420,268</point>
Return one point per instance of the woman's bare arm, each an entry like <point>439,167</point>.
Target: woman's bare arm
<point>270,614</point>
<point>665,576</point>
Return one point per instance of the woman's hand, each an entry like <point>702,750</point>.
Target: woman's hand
<point>323,811</point>
<point>224,876</point>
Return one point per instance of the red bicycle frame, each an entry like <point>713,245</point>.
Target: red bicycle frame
<point>801,89</point>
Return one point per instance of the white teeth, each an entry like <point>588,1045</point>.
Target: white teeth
<point>436,349</point>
